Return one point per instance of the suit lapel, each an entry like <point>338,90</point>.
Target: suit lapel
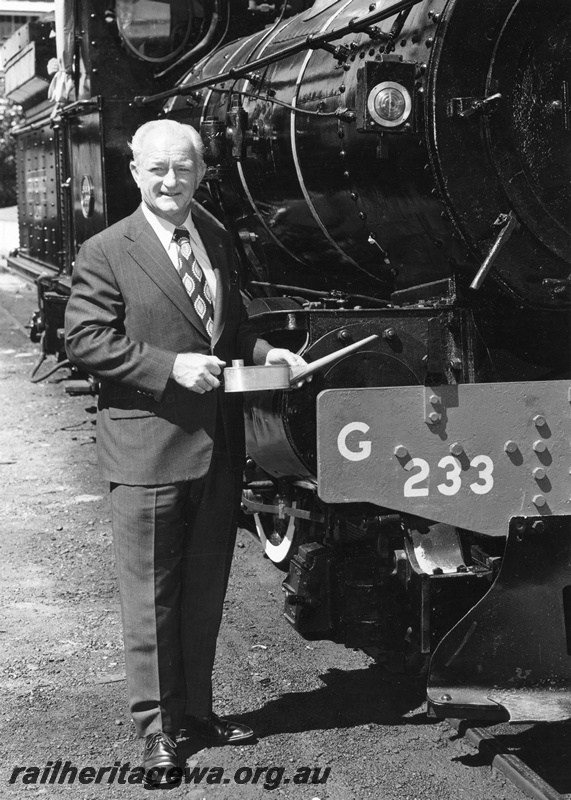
<point>151,257</point>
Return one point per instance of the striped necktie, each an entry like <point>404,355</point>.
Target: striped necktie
<point>192,276</point>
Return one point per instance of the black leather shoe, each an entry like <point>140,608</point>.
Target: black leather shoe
<point>217,729</point>
<point>160,760</point>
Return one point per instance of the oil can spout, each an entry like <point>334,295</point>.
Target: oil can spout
<point>299,373</point>
<point>239,378</point>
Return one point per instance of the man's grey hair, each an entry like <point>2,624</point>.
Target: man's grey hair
<point>137,143</point>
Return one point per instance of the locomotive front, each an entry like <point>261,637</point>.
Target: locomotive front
<point>400,169</point>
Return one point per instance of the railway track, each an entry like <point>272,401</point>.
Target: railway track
<point>519,773</point>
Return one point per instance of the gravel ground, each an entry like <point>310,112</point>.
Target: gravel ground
<point>330,724</point>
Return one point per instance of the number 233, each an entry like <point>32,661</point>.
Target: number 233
<point>453,481</point>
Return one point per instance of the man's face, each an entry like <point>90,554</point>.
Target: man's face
<point>167,173</point>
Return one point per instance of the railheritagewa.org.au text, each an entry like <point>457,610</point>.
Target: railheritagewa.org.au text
<point>66,773</point>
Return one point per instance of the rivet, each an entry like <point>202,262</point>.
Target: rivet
<point>539,500</point>
<point>539,473</point>
<point>539,420</point>
<point>445,698</point>
<point>400,451</point>
<point>510,446</point>
<point>456,449</point>
<point>434,417</point>
<point>539,446</point>
<point>434,399</point>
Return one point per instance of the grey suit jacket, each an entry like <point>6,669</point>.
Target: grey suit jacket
<point>127,318</point>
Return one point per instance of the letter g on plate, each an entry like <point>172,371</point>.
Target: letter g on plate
<point>364,450</point>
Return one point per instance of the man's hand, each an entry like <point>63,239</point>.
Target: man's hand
<point>197,372</point>
<point>279,355</point>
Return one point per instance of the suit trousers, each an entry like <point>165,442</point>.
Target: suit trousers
<point>173,547</point>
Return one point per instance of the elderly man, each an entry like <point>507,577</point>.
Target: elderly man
<point>155,313</point>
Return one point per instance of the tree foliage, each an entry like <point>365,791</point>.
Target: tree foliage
<point>10,116</point>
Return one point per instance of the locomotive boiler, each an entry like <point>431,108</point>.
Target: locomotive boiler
<point>397,169</point>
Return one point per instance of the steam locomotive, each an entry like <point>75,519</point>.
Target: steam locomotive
<point>396,169</point>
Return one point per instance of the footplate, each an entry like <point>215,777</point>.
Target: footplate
<point>510,656</point>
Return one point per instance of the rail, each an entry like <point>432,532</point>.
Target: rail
<point>512,768</point>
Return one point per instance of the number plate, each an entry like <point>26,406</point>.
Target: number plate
<point>471,455</point>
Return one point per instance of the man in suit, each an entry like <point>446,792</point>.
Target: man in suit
<point>155,313</point>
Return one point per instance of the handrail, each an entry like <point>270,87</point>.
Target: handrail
<point>311,42</point>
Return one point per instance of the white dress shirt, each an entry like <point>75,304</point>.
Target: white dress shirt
<point>165,230</point>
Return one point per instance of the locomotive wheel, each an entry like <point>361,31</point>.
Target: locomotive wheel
<point>278,547</point>
<point>280,538</point>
